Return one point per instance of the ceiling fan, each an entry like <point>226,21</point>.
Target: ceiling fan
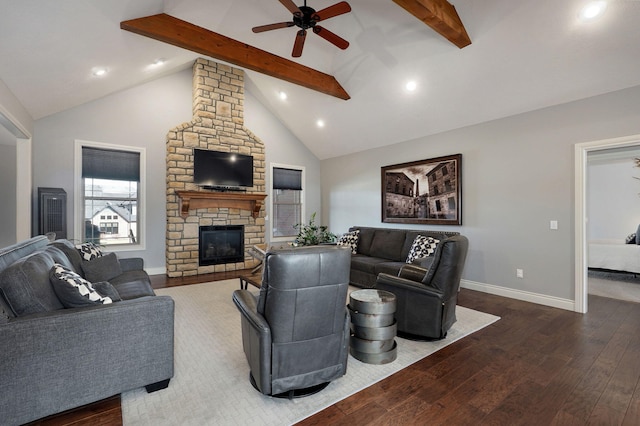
<point>305,18</point>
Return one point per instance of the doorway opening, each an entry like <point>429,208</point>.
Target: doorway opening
<point>580,207</point>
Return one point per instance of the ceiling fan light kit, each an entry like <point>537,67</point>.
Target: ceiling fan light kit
<point>307,18</point>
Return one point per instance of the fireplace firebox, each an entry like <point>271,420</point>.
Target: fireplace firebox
<point>221,244</point>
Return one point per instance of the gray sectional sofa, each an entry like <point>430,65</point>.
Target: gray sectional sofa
<point>56,358</point>
<point>385,250</point>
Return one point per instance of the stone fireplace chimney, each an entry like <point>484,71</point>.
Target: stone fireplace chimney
<point>218,124</point>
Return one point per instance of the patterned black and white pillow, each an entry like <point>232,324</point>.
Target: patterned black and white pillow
<point>631,239</point>
<point>89,251</point>
<point>350,239</point>
<point>73,290</point>
<point>422,246</point>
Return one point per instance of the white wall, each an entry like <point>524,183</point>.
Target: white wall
<point>141,117</point>
<point>517,175</point>
<point>613,201</point>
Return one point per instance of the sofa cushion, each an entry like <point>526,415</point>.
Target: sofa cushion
<point>364,263</point>
<point>26,287</point>
<point>71,252</point>
<point>102,268</point>
<point>387,244</point>
<point>365,238</point>
<point>106,289</point>
<point>391,268</point>
<point>58,256</point>
<point>89,251</point>
<point>350,239</point>
<point>132,284</point>
<point>422,246</point>
<point>73,290</point>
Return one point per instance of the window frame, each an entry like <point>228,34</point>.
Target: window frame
<point>272,166</point>
<point>78,199</point>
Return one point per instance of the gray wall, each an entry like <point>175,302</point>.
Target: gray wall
<point>517,175</point>
<point>142,116</point>
<point>7,192</point>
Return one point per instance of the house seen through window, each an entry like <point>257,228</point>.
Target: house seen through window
<point>111,191</point>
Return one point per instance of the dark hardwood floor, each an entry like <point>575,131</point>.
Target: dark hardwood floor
<point>536,366</point>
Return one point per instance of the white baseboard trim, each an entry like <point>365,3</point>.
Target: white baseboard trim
<point>526,296</point>
<point>156,271</point>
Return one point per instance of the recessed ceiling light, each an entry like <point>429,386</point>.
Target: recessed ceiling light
<point>320,123</point>
<point>158,62</point>
<point>99,71</point>
<point>411,86</point>
<point>282,96</point>
<point>592,10</point>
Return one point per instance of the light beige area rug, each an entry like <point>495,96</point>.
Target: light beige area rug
<point>211,383</point>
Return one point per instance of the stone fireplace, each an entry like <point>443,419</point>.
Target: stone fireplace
<point>218,124</point>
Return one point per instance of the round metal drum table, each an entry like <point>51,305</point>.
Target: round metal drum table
<point>373,326</point>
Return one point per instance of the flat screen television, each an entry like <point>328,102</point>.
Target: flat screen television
<point>222,170</point>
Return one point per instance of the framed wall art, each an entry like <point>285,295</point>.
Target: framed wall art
<point>424,192</point>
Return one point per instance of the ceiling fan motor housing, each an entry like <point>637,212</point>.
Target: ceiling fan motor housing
<point>307,19</point>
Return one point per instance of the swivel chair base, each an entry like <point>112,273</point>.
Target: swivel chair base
<point>293,393</point>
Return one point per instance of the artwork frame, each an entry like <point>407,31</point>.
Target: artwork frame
<point>405,200</point>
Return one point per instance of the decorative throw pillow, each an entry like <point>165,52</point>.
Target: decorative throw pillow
<point>89,251</point>
<point>350,239</point>
<point>73,290</point>
<point>631,239</point>
<point>102,268</point>
<point>422,247</point>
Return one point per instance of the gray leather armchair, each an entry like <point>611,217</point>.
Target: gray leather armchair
<point>295,334</point>
<point>426,298</point>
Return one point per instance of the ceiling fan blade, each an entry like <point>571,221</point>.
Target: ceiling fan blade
<point>270,27</point>
<point>299,44</point>
<point>331,37</point>
<point>291,6</point>
<point>331,11</point>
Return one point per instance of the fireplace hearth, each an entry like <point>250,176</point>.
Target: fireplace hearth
<point>221,244</point>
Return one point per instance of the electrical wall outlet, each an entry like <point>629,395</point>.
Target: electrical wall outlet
<point>519,273</point>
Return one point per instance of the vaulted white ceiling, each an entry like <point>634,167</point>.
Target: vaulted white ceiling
<point>525,55</point>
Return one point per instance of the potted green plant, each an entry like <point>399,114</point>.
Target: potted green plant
<point>311,234</point>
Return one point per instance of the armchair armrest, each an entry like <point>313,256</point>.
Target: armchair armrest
<point>247,304</point>
<point>256,339</point>
<point>386,281</point>
<point>412,272</point>
<point>131,264</point>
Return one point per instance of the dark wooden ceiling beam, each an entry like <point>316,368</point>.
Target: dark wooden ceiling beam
<point>171,30</point>
<point>441,16</point>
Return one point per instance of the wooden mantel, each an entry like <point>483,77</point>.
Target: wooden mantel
<point>233,200</point>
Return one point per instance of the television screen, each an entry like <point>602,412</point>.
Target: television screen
<point>216,169</point>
